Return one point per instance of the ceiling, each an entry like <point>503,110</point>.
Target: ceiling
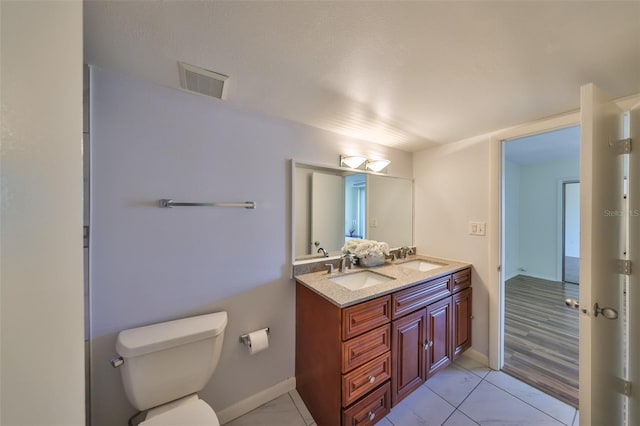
<point>557,145</point>
<point>404,74</point>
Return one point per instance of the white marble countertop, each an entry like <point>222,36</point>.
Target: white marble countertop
<point>403,277</point>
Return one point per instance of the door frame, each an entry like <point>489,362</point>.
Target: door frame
<point>496,238</point>
<point>495,232</point>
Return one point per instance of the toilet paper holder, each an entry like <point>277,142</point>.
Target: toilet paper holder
<point>244,339</point>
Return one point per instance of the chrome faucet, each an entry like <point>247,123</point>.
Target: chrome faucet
<point>343,262</point>
<point>329,268</point>
<point>323,251</point>
<point>404,251</point>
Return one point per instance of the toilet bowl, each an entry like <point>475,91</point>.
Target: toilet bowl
<point>188,411</point>
<point>165,365</point>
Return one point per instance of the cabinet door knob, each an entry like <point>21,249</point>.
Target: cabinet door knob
<point>372,415</point>
<point>428,344</point>
<point>372,379</point>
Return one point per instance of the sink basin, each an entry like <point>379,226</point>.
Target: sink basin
<point>421,265</point>
<point>360,280</point>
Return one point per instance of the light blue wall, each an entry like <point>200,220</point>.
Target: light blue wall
<point>150,264</point>
<point>539,218</point>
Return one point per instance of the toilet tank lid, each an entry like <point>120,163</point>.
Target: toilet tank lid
<point>155,337</point>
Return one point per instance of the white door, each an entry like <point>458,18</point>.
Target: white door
<point>633,291</point>
<point>327,211</point>
<point>602,245</point>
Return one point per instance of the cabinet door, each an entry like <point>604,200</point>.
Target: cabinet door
<point>408,354</point>
<point>461,322</point>
<point>439,336</point>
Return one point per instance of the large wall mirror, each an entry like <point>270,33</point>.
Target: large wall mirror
<point>333,205</point>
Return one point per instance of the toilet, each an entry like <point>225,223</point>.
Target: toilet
<point>165,365</point>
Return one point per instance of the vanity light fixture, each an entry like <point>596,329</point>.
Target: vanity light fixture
<point>352,161</point>
<point>376,165</point>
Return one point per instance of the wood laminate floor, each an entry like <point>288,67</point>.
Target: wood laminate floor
<point>541,336</point>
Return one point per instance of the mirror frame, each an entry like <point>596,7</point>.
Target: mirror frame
<point>321,167</point>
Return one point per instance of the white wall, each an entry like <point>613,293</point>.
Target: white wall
<point>540,216</point>
<point>41,295</point>
<point>533,217</point>
<point>151,264</point>
<point>451,187</point>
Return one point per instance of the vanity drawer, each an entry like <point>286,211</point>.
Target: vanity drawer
<point>364,348</point>
<point>365,316</point>
<point>363,379</point>
<point>407,301</point>
<point>370,409</point>
<point>461,280</point>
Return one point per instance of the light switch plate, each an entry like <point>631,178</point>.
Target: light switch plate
<point>477,228</point>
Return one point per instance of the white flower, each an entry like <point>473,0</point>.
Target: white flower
<point>363,248</point>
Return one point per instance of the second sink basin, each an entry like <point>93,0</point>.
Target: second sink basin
<point>360,280</point>
<point>421,265</point>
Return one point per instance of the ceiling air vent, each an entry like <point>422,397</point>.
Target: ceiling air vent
<point>202,81</point>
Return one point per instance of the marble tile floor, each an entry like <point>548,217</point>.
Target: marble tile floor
<point>466,393</point>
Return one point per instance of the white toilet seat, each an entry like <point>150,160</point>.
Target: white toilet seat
<point>188,411</point>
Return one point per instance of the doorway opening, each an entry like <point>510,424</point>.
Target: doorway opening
<point>540,332</point>
<point>571,231</point>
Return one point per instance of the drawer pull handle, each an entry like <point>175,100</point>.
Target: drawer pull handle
<point>372,415</point>
<point>372,379</point>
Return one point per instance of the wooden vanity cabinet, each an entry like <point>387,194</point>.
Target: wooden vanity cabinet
<point>353,364</point>
<point>431,325</point>
<point>343,359</point>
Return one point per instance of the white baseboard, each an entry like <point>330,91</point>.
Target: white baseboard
<point>477,356</point>
<point>254,401</point>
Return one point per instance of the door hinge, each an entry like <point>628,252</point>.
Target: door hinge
<point>624,387</point>
<point>621,146</point>
<point>85,236</point>
<point>624,267</point>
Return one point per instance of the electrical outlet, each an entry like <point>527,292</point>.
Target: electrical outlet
<point>477,228</point>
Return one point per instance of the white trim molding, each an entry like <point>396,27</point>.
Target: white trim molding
<point>254,401</point>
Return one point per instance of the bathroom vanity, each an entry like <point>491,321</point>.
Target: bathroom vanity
<point>367,338</point>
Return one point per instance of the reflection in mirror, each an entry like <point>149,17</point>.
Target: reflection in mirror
<point>355,204</point>
<point>332,205</point>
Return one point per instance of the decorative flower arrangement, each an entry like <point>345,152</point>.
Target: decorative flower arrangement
<point>368,252</point>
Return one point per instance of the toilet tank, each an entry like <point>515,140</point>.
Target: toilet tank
<point>169,360</point>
